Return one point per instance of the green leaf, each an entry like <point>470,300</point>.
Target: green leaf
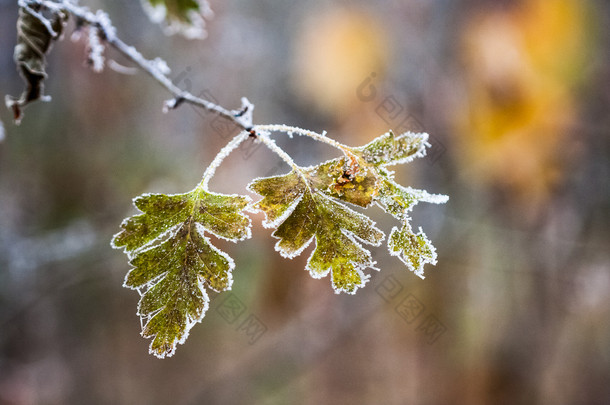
<point>301,214</point>
<point>415,250</point>
<point>363,178</point>
<point>180,16</point>
<point>390,149</point>
<point>35,34</point>
<point>174,262</point>
<point>398,200</point>
<point>362,184</point>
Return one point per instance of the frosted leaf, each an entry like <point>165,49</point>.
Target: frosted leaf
<point>2,132</point>
<point>398,200</point>
<point>301,215</point>
<point>414,250</point>
<point>35,35</point>
<point>362,178</point>
<point>390,149</point>
<point>174,261</point>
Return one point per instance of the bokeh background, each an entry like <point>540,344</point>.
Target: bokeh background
<point>515,95</point>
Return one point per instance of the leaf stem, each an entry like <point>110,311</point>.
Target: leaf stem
<point>224,152</point>
<point>263,136</point>
<point>303,132</point>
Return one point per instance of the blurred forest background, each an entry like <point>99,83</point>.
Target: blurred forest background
<point>515,95</point>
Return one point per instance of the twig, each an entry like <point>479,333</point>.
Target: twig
<point>158,70</point>
<point>108,32</point>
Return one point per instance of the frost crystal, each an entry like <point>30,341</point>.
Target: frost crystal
<point>161,65</point>
<point>95,50</point>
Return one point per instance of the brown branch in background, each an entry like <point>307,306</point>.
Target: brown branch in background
<point>156,68</point>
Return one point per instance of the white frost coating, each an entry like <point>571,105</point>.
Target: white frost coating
<point>247,110</point>
<point>224,152</point>
<point>95,50</point>
<point>300,131</point>
<point>423,138</point>
<point>423,195</point>
<point>353,237</point>
<point>155,13</point>
<point>431,198</point>
<point>363,277</point>
<point>104,21</point>
<point>267,223</point>
<point>169,105</point>
<point>146,286</point>
<point>161,66</point>
<point>359,268</point>
<point>206,10</point>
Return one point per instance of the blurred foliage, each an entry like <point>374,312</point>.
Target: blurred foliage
<point>523,65</point>
<point>333,52</point>
<point>180,16</point>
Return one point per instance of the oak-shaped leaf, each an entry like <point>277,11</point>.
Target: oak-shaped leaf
<point>186,17</point>
<point>174,261</point>
<point>300,214</point>
<point>35,35</point>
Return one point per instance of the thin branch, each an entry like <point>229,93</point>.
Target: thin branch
<point>102,22</point>
<point>263,136</point>
<point>158,70</point>
<point>303,132</point>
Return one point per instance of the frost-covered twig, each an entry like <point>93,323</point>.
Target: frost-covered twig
<point>103,30</point>
<point>289,130</point>
<point>102,22</point>
<point>263,136</point>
